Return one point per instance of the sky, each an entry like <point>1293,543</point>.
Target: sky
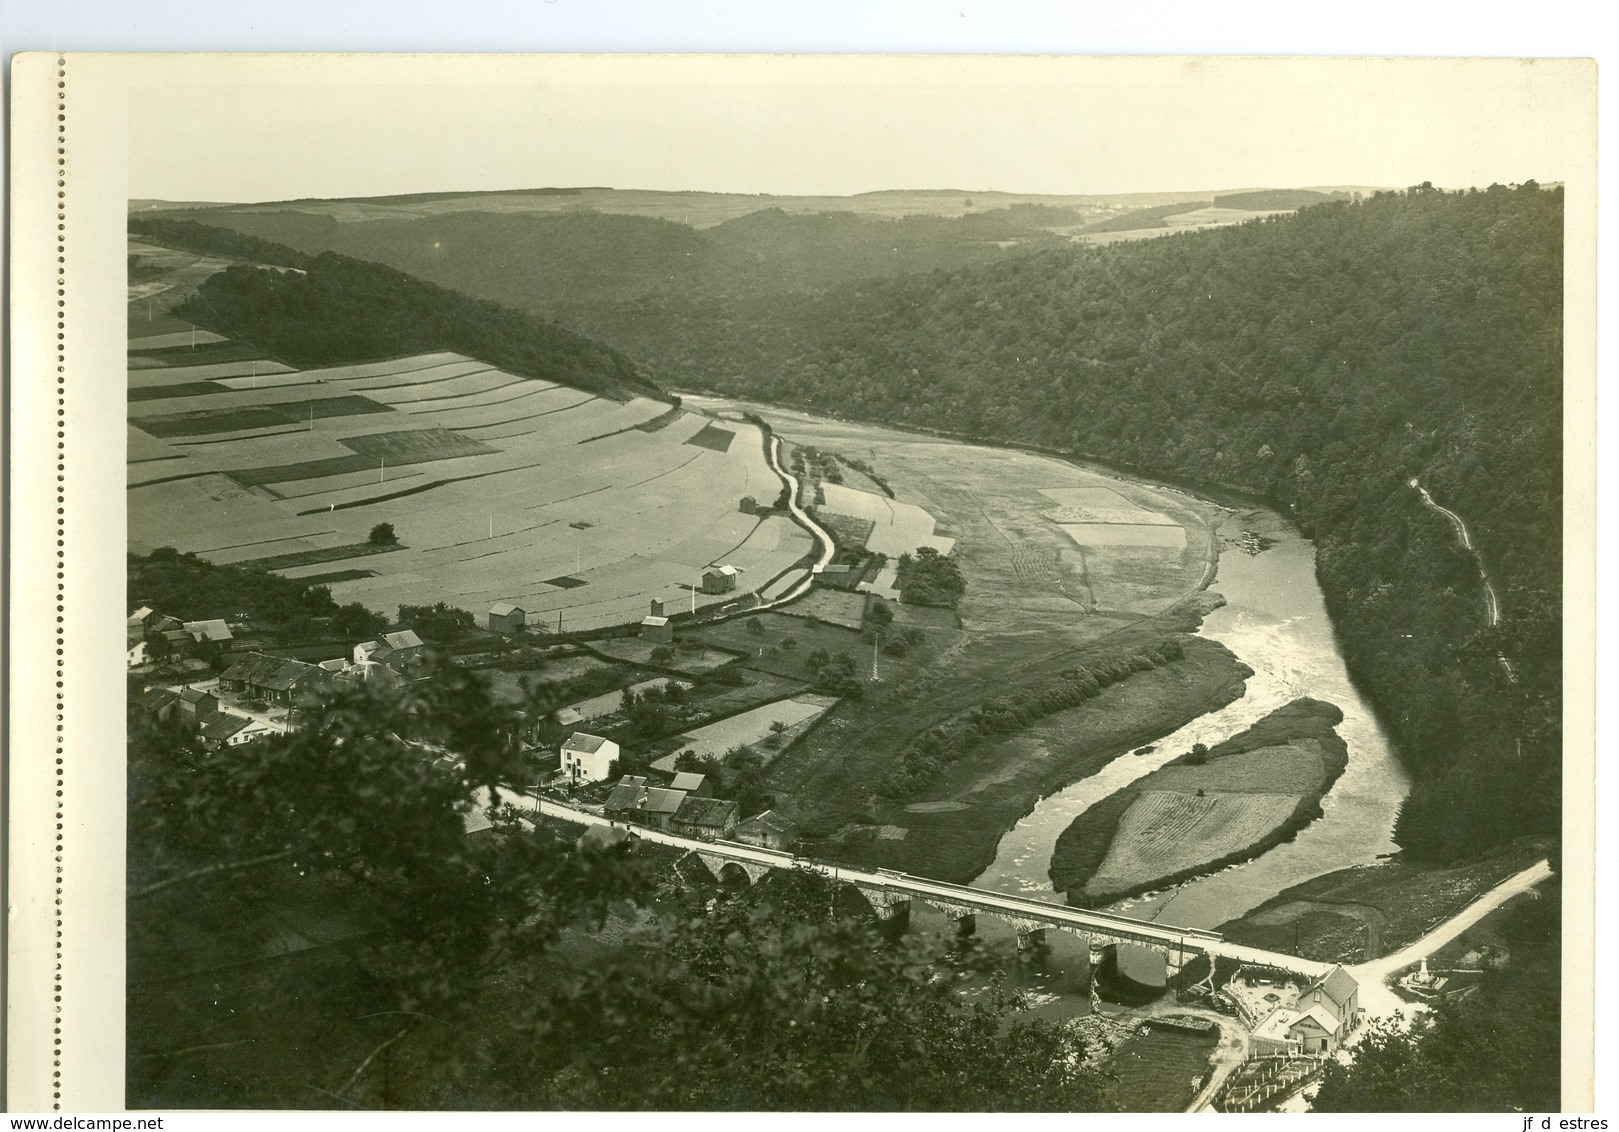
<point>255,128</point>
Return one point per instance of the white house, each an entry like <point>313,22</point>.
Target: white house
<point>588,758</point>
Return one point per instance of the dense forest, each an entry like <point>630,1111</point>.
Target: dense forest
<point>335,310</point>
<point>1321,360</point>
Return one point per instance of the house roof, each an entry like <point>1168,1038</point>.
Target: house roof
<point>625,796</point>
<point>633,780</point>
<point>770,820</point>
<point>337,664</point>
<point>1319,1016</point>
<point>476,820</point>
<point>194,695</point>
<point>644,799</point>
<point>687,780</point>
<point>583,743</point>
<point>1276,1024</point>
<point>705,811</point>
<point>139,616</point>
<point>654,621</point>
<point>567,716</point>
<point>502,609</point>
<point>214,630</point>
<point>404,639</point>
<point>1338,985</point>
<point>156,699</point>
<point>276,673</point>
<point>728,571</point>
<point>222,725</point>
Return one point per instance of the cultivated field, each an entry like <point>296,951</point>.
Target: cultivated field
<point>500,488</point>
<point>1165,832</point>
<point>749,729</point>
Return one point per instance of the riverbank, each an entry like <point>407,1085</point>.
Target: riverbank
<point>1359,914</point>
<point>1204,810</point>
<point>952,832</point>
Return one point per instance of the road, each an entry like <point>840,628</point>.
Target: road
<point>827,546</point>
<point>1377,971</point>
<point>1492,604</point>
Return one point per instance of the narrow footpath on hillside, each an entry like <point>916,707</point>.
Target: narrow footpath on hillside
<point>1492,604</point>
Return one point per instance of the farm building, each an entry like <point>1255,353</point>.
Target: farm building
<point>656,627</point>
<point>568,717</point>
<point>697,785</point>
<point>768,830</point>
<point>506,618</point>
<point>214,630</point>
<point>272,678</point>
<point>719,579</point>
<point>588,758</point>
<point>633,800</point>
<point>197,704</point>
<point>707,819</point>
<point>136,656</point>
<point>405,644</point>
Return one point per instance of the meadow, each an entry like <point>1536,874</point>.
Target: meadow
<point>1204,810</point>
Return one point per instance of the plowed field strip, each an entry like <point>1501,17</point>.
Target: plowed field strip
<point>169,479</point>
<point>429,381</point>
<point>481,404</point>
<point>234,439</point>
<point>517,420</point>
<point>421,488</point>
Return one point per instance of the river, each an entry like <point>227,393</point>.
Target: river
<point>1276,622</point>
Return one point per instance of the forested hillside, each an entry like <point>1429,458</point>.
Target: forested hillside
<point>572,261</point>
<point>337,310</point>
<point>1322,360</point>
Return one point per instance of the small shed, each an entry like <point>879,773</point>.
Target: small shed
<point>506,618</point>
<point>658,630</point>
<point>719,579</point>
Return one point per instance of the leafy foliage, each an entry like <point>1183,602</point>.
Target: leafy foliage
<point>437,622</point>
<point>930,578</point>
<point>340,310</point>
<point>192,588</point>
<point>443,978</point>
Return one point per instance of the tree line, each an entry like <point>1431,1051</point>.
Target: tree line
<point>932,752</point>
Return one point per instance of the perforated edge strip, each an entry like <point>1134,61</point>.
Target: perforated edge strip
<point>61,561</point>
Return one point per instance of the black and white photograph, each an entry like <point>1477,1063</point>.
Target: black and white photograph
<point>909,584</point>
